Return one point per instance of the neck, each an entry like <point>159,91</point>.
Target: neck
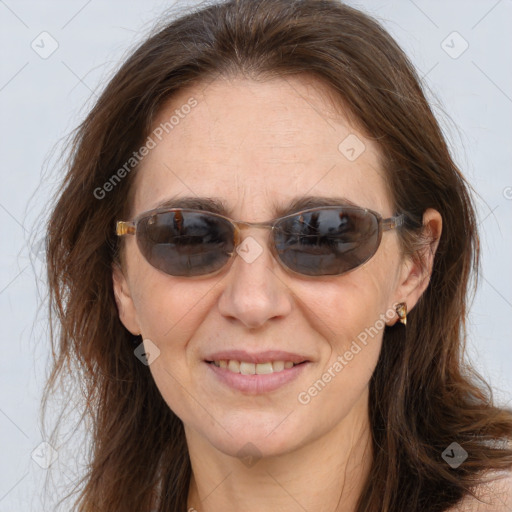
<point>325,475</point>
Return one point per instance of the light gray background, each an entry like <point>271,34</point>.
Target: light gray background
<point>41,100</point>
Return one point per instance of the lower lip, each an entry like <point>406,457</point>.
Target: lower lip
<point>257,384</point>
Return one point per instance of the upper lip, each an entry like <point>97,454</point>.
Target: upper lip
<point>256,357</point>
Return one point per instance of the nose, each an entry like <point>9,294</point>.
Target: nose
<point>256,289</point>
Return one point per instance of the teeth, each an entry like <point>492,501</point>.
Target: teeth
<point>234,366</point>
<point>262,368</point>
<point>247,368</point>
<point>253,369</point>
<point>278,366</point>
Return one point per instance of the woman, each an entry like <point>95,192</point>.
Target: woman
<point>260,260</point>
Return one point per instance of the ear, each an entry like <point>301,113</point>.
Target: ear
<point>417,268</point>
<point>124,301</point>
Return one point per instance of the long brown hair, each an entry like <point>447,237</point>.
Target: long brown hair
<point>424,396</point>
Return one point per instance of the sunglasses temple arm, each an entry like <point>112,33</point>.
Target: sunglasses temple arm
<point>393,222</point>
<point>125,228</point>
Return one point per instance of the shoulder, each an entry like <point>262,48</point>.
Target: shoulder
<point>493,496</point>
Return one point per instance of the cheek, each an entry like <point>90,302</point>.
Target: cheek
<point>171,311</point>
<point>168,307</point>
<point>351,314</point>
<point>351,305</point>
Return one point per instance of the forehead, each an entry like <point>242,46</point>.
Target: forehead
<point>256,146</point>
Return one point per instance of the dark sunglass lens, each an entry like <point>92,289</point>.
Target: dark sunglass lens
<point>328,241</point>
<point>182,243</point>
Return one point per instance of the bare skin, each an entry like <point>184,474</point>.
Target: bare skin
<point>255,145</point>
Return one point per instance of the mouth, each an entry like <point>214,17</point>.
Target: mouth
<point>254,374</point>
<point>250,368</point>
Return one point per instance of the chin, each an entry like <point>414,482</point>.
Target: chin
<point>256,437</point>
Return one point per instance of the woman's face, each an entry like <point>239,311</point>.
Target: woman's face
<point>254,146</point>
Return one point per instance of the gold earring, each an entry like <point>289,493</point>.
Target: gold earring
<point>401,311</point>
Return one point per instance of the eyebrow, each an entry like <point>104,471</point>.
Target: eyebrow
<point>219,206</point>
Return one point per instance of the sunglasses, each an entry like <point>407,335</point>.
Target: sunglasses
<point>327,240</point>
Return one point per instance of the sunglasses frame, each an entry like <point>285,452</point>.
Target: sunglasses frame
<point>383,224</point>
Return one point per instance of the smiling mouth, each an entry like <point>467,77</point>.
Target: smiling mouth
<point>247,368</point>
